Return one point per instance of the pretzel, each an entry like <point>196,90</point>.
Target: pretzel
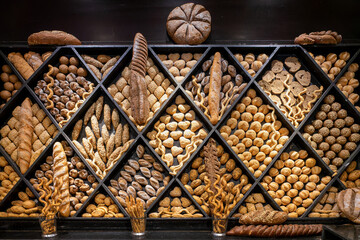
<point>51,93</point>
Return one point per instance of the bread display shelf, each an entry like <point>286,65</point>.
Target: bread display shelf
<point>140,135</point>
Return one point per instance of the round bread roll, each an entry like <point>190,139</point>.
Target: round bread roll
<point>189,24</point>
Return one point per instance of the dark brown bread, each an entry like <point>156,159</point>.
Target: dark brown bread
<point>189,24</point>
<point>263,217</point>
<point>212,163</point>
<point>53,38</point>
<point>348,202</point>
<point>275,231</point>
<point>323,37</point>
<point>140,106</point>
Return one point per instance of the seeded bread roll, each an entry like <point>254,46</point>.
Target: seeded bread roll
<point>53,38</point>
<point>60,169</point>
<point>215,88</point>
<point>140,106</point>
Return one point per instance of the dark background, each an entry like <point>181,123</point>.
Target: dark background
<point>232,21</point>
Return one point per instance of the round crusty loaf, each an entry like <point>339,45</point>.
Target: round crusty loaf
<point>348,202</point>
<point>189,24</point>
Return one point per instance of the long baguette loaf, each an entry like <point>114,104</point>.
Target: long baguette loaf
<point>53,38</point>
<point>215,88</point>
<point>60,169</point>
<point>263,217</point>
<point>25,136</point>
<point>21,65</point>
<point>348,202</point>
<point>140,106</point>
<point>275,231</point>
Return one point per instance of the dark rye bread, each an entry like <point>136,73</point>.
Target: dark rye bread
<point>53,38</point>
<point>140,106</point>
<point>189,24</point>
<point>348,202</point>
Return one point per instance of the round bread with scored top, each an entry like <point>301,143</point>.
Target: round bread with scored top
<point>189,24</point>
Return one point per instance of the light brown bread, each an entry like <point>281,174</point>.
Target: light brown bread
<point>25,136</point>
<point>53,38</point>
<point>263,217</point>
<point>21,65</point>
<point>215,88</point>
<point>60,169</point>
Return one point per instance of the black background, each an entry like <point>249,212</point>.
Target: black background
<point>238,21</point>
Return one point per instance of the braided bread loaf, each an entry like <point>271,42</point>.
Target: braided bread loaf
<point>140,106</point>
<point>263,217</point>
<point>60,169</point>
<point>25,136</point>
<point>348,202</point>
<point>292,230</point>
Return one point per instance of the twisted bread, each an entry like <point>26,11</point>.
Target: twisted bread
<point>60,169</point>
<point>263,217</point>
<point>275,231</point>
<point>25,136</point>
<point>140,106</point>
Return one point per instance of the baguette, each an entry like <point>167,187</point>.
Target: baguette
<point>25,136</point>
<point>60,170</point>
<point>215,88</point>
<point>53,38</point>
<point>275,231</point>
<point>140,106</point>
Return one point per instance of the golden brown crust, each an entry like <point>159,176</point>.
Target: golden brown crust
<point>348,202</point>
<point>323,37</point>
<point>53,38</point>
<point>60,169</point>
<point>21,65</point>
<point>215,88</point>
<point>25,136</point>
<point>34,59</point>
<point>263,217</point>
<point>275,231</point>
